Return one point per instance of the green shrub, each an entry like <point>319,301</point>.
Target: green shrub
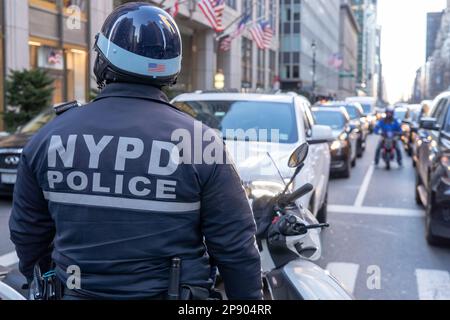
<point>28,92</point>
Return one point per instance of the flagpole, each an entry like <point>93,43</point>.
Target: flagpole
<point>161,4</point>
<point>223,35</point>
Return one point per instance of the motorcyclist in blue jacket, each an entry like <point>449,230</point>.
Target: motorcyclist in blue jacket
<point>106,189</point>
<point>388,125</point>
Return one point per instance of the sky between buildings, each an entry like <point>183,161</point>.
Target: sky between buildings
<point>403,42</point>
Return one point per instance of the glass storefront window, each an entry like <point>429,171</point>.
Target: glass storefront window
<point>76,74</point>
<point>74,77</point>
<point>50,59</point>
<point>247,62</point>
<point>260,68</point>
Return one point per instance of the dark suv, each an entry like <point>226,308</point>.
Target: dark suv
<point>433,170</point>
<point>11,149</point>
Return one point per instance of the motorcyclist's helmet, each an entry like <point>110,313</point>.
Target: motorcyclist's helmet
<point>390,113</point>
<point>138,43</point>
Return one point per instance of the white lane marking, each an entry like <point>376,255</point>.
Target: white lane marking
<point>364,187</point>
<point>9,259</point>
<point>398,212</point>
<point>346,273</point>
<point>433,284</point>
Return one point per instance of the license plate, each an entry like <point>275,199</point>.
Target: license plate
<point>8,178</point>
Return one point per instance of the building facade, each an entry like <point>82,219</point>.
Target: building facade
<point>2,60</point>
<point>433,25</point>
<point>58,36</point>
<point>244,66</point>
<point>439,79</point>
<point>366,15</point>
<point>55,35</point>
<point>348,47</point>
<point>309,38</point>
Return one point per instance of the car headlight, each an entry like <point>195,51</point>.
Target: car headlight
<point>338,145</point>
<point>258,189</point>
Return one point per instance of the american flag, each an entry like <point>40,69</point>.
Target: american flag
<point>262,34</point>
<point>225,45</point>
<point>175,9</point>
<point>213,11</point>
<point>336,60</point>
<point>156,68</point>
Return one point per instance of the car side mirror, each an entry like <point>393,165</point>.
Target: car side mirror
<point>429,124</point>
<point>320,134</point>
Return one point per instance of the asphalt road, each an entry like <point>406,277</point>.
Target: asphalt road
<point>376,244</point>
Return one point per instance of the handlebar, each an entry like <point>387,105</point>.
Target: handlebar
<point>290,226</point>
<point>288,199</point>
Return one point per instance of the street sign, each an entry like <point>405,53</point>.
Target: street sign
<point>346,75</point>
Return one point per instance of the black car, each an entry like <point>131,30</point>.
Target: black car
<point>344,147</point>
<point>433,170</point>
<point>358,122</point>
<point>11,149</point>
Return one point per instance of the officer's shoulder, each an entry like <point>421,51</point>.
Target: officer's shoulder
<point>66,106</point>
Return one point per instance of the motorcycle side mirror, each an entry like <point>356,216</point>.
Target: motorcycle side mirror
<point>299,156</point>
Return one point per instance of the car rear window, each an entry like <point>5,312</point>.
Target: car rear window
<point>232,116</point>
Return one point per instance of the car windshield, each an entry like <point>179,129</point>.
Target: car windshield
<point>415,116</point>
<point>367,108</point>
<point>400,114</point>
<point>352,110</point>
<point>38,122</point>
<point>256,118</point>
<point>333,119</point>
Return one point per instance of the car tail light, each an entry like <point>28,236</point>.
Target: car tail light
<point>445,161</point>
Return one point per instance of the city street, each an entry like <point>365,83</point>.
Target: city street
<point>375,222</point>
<point>375,225</point>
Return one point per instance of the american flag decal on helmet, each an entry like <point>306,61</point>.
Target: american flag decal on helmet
<point>155,67</point>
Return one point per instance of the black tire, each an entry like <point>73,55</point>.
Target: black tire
<point>409,151</point>
<point>347,172</point>
<point>418,183</point>
<point>431,207</point>
<point>360,150</point>
<point>322,214</point>
<point>354,163</point>
<point>388,165</point>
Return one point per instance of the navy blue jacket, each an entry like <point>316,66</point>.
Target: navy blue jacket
<point>98,186</point>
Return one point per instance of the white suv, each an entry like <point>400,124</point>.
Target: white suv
<point>265,155</point>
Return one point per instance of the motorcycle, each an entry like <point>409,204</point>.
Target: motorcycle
<point>388,148</point>
<point>288,238</point>
<point>8,281</point>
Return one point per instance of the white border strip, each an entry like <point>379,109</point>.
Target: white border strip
<point>364,187</point>
<point>120,203</point>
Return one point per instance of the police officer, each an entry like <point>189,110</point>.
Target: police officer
<point>103,189</point>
